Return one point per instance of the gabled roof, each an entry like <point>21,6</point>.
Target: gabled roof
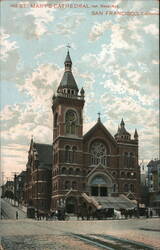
<point>45,154</point>
<point>99,125</point>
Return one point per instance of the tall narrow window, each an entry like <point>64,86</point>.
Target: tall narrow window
<point>67,153</point>
<point>56,120</point>
<point>131,160</point>
<point>125,159</point>
<point>74,153</point>
<point>67,185</point>
<point>126,188</point>
<point>132,187</point>
<point>71,122</point>
<point>74,185</point>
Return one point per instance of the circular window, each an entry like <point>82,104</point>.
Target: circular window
<point>98,153</point>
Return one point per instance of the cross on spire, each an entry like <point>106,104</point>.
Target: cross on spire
<point>68,46</point>
<point>99,116</point>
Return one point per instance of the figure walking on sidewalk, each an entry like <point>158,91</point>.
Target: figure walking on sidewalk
<point>16,215</point>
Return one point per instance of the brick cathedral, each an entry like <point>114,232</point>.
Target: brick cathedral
<point>92,170</point>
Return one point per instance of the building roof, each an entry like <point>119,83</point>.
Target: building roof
<point>100,125</point>
<point>45,155</point>
<point>153,164</point>
<point>68,58</point>
<point>68,81</point>
<point>23,173</point>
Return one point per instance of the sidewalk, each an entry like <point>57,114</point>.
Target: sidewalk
<point>15,205</point>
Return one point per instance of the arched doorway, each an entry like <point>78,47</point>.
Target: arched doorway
<point>71,204</point>
<point>100,186</point>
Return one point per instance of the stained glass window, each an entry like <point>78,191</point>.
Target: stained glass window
<point>98,153</point>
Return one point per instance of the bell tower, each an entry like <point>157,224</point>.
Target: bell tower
<point>67,108</point>
<point>67,105</point>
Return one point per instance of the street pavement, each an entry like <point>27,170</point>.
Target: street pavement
<point>55,234</point>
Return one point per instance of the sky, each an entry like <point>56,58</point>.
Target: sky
<point>115,60</point>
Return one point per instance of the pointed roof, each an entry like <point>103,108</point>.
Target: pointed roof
<point>68,58</point>
<point>135,134</point>
<point>100,125</point>
<point>122,123</point>
<point>122,130</point>
<point>68,80</point>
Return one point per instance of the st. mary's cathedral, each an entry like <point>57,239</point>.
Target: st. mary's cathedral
<point>93,170</point>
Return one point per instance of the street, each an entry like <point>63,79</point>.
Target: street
<point>9,210</point>
<point>75,235</point>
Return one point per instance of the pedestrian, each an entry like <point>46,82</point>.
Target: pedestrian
<point>147,214</point>
<point>151,213</point>
<point>16,215</point>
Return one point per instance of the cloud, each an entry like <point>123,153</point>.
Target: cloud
<point>62,46</point>
<point>152,29</point>
<point>28,23</point>
<point>14,158</point>
<point>9,55</point>
<point>98,30</point>
<point>42,16</point>
<point>69,24</point>
<point>41,84</point>
<point>6,45</point>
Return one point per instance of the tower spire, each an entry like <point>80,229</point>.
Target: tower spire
<point>122,123</point>
<point>68,84</point>
<point>68,61</point>
<point>135,135</point>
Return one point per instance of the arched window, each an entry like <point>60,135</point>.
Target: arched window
<point>70,171</point>
<point>71,122</point>
<point>125,159</point>
<point>122,174</point>
<point>114,188</point>
<point>114,173</point>
<point>74,185</point>
<point>74,153</point>
<point>131,160</point>
<point>132,187</point>
<point>67,185</point>
<point>126,188</point>
<point>98,153</point>
<point>67,154</point>
<point>128,174</point>
<point>77,171</point>
<point>64,171</point>
<point>55,120</point>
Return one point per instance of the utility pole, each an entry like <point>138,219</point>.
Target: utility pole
<point>15,186</point>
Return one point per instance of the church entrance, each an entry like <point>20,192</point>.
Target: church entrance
<point>99,191</point>
<point>98,186</point>
<point>71,203</point>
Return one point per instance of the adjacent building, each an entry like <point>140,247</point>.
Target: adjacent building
<point>19,182</point>
<point>38,176</point>
<point>154,184</point>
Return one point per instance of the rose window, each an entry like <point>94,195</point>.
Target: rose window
<point>98,153</point>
